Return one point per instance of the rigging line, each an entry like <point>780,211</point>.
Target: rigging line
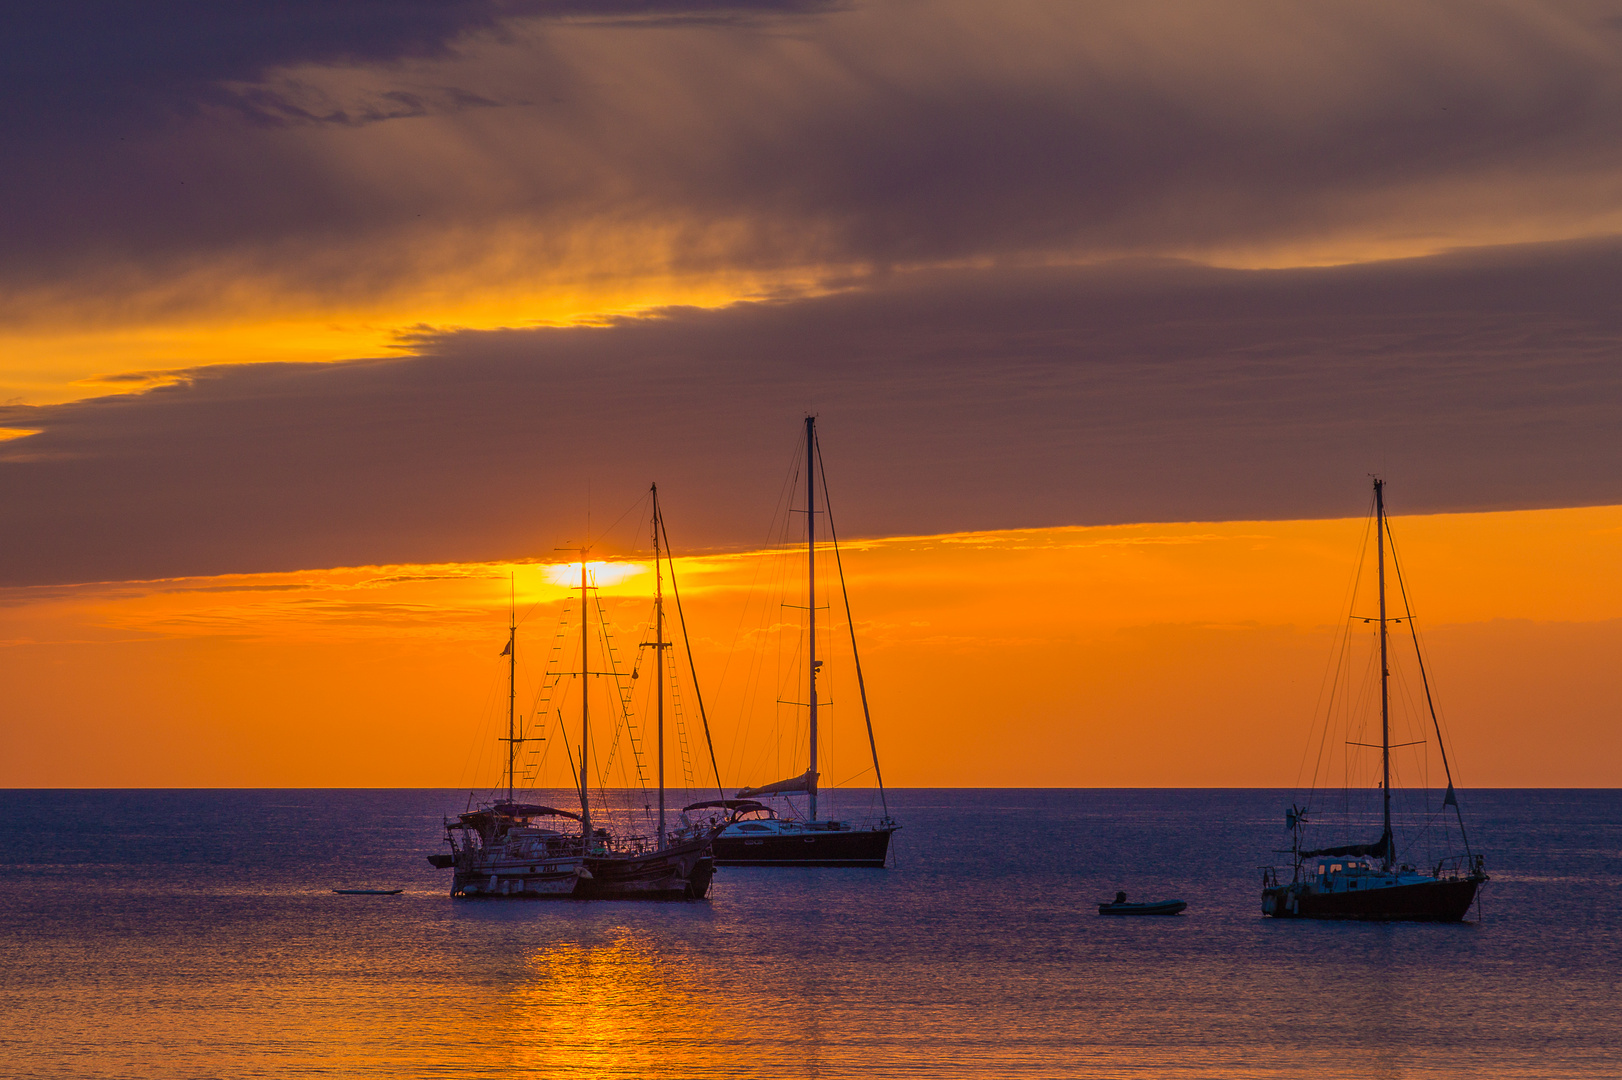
<point>679,722</point>
<point>1402,589</point>
<point>1339,693</point>
<point>602,786</point>
<point>628,510</point>
<point>1340,684</point>
<point>774,566</point>
<point>687,644</point>
<point>766,566</point>
<point>574,770</point>
<point>613,671</point>
<point>473,760</point>
<point>1359,709</point>
<point>536,604</point>
<point>853,776</point>
<point>1345,643</point>
<point>784,494</point>
<point>540,763</point>
<point>861,684</point>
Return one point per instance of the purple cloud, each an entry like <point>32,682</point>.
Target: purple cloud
<point>949,401</point>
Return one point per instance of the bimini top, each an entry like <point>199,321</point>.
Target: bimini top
<point>741,806</point>
<point>516,810</point>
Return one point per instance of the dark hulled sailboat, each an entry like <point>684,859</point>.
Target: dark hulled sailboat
<point>1369,881</point>
<point>754,834</point>
<point>500,850</point>
<point>682,863</point>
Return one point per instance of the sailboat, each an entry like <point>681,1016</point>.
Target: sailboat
<point>753,833</point>
<point>510,849</point>
<point>1374,880</point>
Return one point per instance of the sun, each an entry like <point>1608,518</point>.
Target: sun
<point>599,573</point>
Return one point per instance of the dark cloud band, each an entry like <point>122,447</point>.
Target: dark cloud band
<point>950,401</point>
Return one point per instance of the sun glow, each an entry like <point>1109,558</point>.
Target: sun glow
<point>600,574</point>
<point>1137,655</point>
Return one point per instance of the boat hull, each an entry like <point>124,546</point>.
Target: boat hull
<point>679,872</point>
<point>1167,907</point>
<point>1439,900</point>
<point>853,847</point>
<point>483,879</point>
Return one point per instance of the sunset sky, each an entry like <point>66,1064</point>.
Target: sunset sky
<point>320,325</point>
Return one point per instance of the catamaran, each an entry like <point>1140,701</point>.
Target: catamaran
<point>1378,880</point>
<point>754,833</point>
<point>518,849</point>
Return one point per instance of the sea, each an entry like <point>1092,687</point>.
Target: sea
<point>195,933</point>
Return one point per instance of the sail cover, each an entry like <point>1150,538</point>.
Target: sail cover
<point>807,782</point>
<point>1377,850</point>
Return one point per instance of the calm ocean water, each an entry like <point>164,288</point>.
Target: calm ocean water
<point>194,934</point>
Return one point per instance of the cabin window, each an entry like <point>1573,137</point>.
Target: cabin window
<point>753,828</point>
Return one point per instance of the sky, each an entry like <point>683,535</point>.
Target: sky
<point>291,295</point>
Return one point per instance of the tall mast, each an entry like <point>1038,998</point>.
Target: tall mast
<point>855,653</point>
<point>1436,724</point>
<point>585,716</point>
<point>659,658</point>
<point>512,685</point>
<point>1385,671</point>
<point>811,591</point>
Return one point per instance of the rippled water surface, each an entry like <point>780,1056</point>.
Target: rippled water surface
<point>195,933</point>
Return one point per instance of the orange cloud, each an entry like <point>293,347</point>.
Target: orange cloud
<point>554,171</point>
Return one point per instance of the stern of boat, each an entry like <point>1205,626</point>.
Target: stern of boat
<point>679,872</point>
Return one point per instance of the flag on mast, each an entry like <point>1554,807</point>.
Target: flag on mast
<point>507,648</point>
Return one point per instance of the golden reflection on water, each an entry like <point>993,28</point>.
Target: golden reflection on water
<point>620,1007</point>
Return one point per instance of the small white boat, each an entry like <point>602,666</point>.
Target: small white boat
<point>1119,906</point>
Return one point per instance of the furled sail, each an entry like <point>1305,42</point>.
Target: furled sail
<point>1377,850</point>
<point>807,782</point>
